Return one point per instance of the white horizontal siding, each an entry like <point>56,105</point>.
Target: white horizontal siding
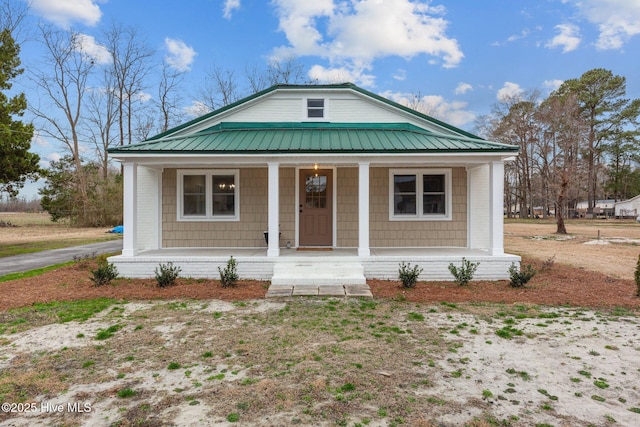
<point>148,209</point>
<point>341,106</point>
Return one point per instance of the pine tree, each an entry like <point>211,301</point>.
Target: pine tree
<point>16,162</point>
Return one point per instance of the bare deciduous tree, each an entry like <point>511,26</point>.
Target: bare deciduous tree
<point>169,97</point>
<point>220,88</point>
<point>12,14</point>
<point>130,65</point>
<point>516,125</point>
<point>287,70</point>
<point>63,82</point>
<point>101,119</point>
<point>560,115</point>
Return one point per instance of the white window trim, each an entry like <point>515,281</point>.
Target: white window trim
<point>419,216</point>
<point>305,114</point>
<point>208,216</point>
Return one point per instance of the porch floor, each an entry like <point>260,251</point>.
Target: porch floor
<point>310,253</point>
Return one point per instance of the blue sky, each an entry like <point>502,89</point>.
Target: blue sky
<point>461,57</point>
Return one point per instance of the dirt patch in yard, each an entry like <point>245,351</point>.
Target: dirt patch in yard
<point>322,362</point>
<point>610,247</point>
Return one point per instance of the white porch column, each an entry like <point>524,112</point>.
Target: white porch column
<point>274,210</point>
<point>496,206</point>
<point>130,210</point>
<point>363,209</point>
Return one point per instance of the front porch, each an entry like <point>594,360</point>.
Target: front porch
<point>254,263</point>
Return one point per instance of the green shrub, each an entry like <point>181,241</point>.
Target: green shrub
<point>636,276</point>
<point>520,277</point>
<point>167,274</point>
<point>408,276</point>
<point>105,273</point>
<point>463,274</point>
<point>229,275</point>
<point>126,392</point>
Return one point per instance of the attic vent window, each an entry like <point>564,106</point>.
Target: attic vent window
<point>315,108</point>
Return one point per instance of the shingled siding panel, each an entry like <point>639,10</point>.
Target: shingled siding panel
<point>248,232</point>
<point>422,233</point>
<point>347,207</point>
<point>287,206</point>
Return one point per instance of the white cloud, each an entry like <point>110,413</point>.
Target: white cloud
<point>435,106</point>
<point>617,20</point>
<point>354,33</point>
<point>64,12</point>
<point>400,74</point>
<point>39,140</point>
<point>196,109</point>
<point>45,162</point>
<point>143,97</point>
<point>462,88</point>
<point>180,55</point>
<point>508,91</point>
<point>341,75</point>
<point>523,34</point>
<point>88,46</point>
<point>229,7</point>
<point>568,38</point>
<point>552,85</point>
<point>53,157</point>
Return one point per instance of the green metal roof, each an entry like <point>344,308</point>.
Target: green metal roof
<point>301,138</point>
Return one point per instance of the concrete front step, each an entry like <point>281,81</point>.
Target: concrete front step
<point>318,273</point>
<point>284,291</point>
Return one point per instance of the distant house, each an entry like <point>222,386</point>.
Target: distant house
<point>628,208</point>
<point>602,209</point>
<point>312,174</point>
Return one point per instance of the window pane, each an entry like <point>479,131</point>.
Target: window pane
<point>223,204</point>
<point>223,184</point>
<point>194,196</point>
<point>405,204</point>
<point>433,204</point>
<point>404,196</point>
<point>223,190</point>
<point>315,108</point>
<point>316,191</point>
<point>313,112</point>
<point>433,183</point>
<point>404,183</point>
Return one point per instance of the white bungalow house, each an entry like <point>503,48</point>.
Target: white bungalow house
<point>322,176</point>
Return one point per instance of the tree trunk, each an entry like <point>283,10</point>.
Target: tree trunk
<point>561,229</point>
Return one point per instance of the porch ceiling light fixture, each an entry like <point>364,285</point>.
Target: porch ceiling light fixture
<point>315,166</point>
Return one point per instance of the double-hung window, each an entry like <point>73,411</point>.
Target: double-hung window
<point>315,109</point>
<point>208,195</point>
<point>419,194</point>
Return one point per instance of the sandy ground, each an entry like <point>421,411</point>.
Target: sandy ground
<point>615,253</point>
<point>557,366</point>
<point>570,367</point>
